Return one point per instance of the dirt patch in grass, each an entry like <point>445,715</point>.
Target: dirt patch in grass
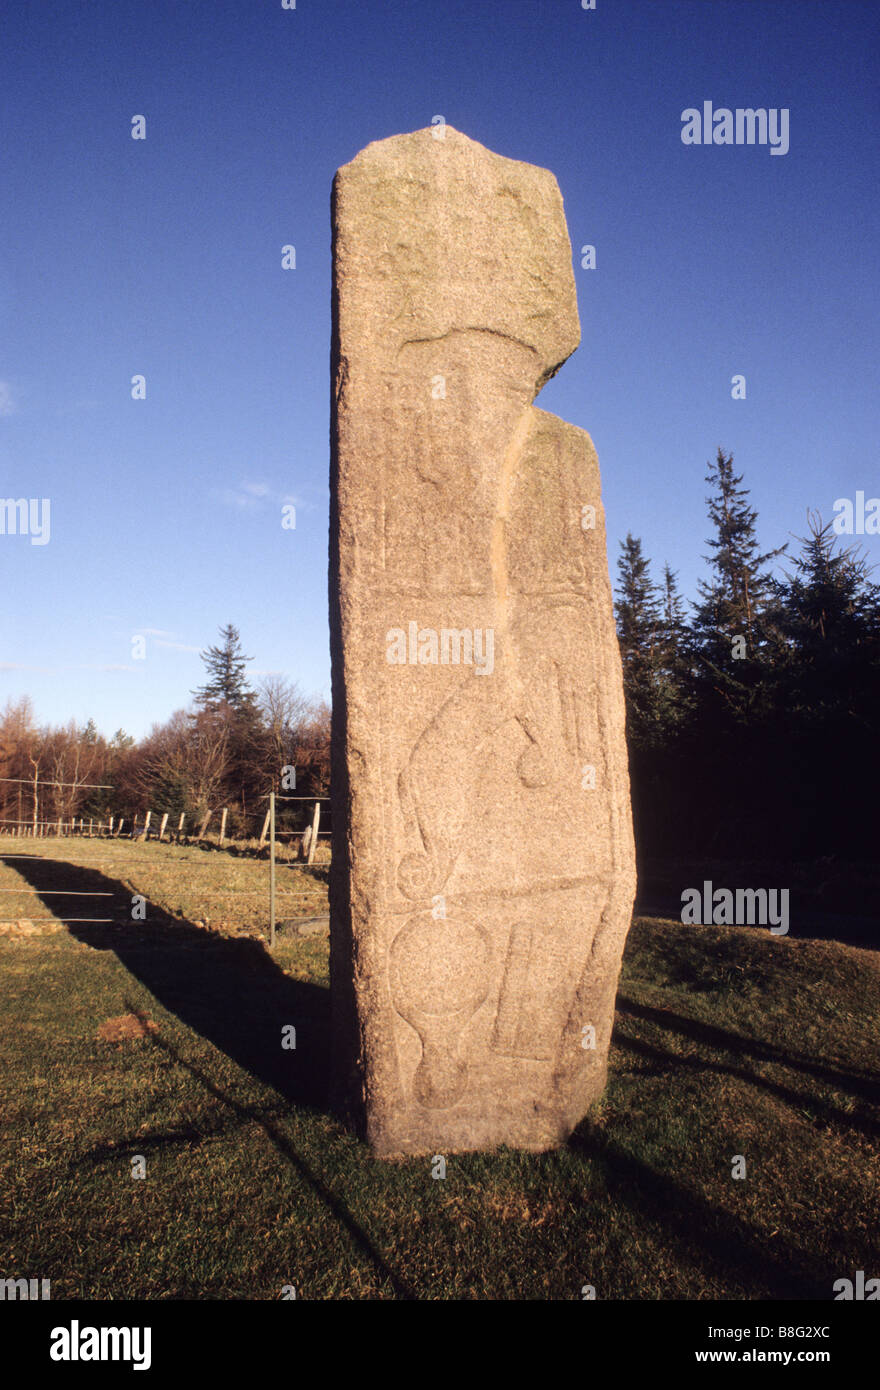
<point>25,927</point>
<point>126,1026</point>
<point>730,1046</point>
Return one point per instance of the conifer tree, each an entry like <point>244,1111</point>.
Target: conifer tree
<point>637,610</point>
<point>228,701</point>
<point>674,677</point>
<point>829,620</point>
<point>730,627</point>
<point>732,603</point>
<point>225,666</point>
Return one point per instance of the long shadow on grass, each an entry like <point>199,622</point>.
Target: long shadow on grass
<point>228,990</point>
<point>284,1146</point>
<point>729,1245</point>
<point>710,1036</point>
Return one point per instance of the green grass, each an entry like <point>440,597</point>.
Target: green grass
<point>223,890</point>
<point>727,1042</point>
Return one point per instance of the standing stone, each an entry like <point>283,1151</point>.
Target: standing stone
<point>483,866</point>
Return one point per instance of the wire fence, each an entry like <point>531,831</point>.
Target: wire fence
<point>158,825</point>
<point>113,830</point>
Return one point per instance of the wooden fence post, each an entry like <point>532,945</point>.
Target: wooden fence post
<point>180,826</point>
<point>163,825</point>
<point>222,827</point>
<point>271,870</point>
<point>313,842</point>
<point>265,829</point>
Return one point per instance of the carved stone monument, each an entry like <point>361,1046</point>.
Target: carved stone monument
<point>483,867</point>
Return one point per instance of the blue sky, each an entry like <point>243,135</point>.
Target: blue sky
<point>163,257</point>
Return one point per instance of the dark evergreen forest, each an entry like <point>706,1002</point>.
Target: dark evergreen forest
<point>752,713</point>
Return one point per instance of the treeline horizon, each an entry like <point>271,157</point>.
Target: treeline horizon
<point>752,720</point>
<point>231,747</point>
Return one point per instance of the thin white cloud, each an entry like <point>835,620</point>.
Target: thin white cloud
<point>163,638</point>
<point>244,501</point>
<point>178,646</point>
<point>251,496</point>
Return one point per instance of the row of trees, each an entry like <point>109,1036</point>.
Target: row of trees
<point>752,719</point>
<point>752,713</point>
<point>50,773</point>
<point>229,749</point>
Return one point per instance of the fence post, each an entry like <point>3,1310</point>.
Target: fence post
<point>313,842</point>
<point>265,830</point>
<point>163,825</point>
<point>271,870</point>
<point>222,827</point>
<point>180,826</point>
<point>119,826</point>
<point>147,826</point>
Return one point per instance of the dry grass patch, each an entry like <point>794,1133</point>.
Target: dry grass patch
<point>125,1027</point>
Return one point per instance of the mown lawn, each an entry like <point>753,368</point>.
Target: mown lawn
<point>223,890</point>
<point>728,1042</point>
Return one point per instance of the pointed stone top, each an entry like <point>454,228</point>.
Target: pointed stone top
<point>446,236</point>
